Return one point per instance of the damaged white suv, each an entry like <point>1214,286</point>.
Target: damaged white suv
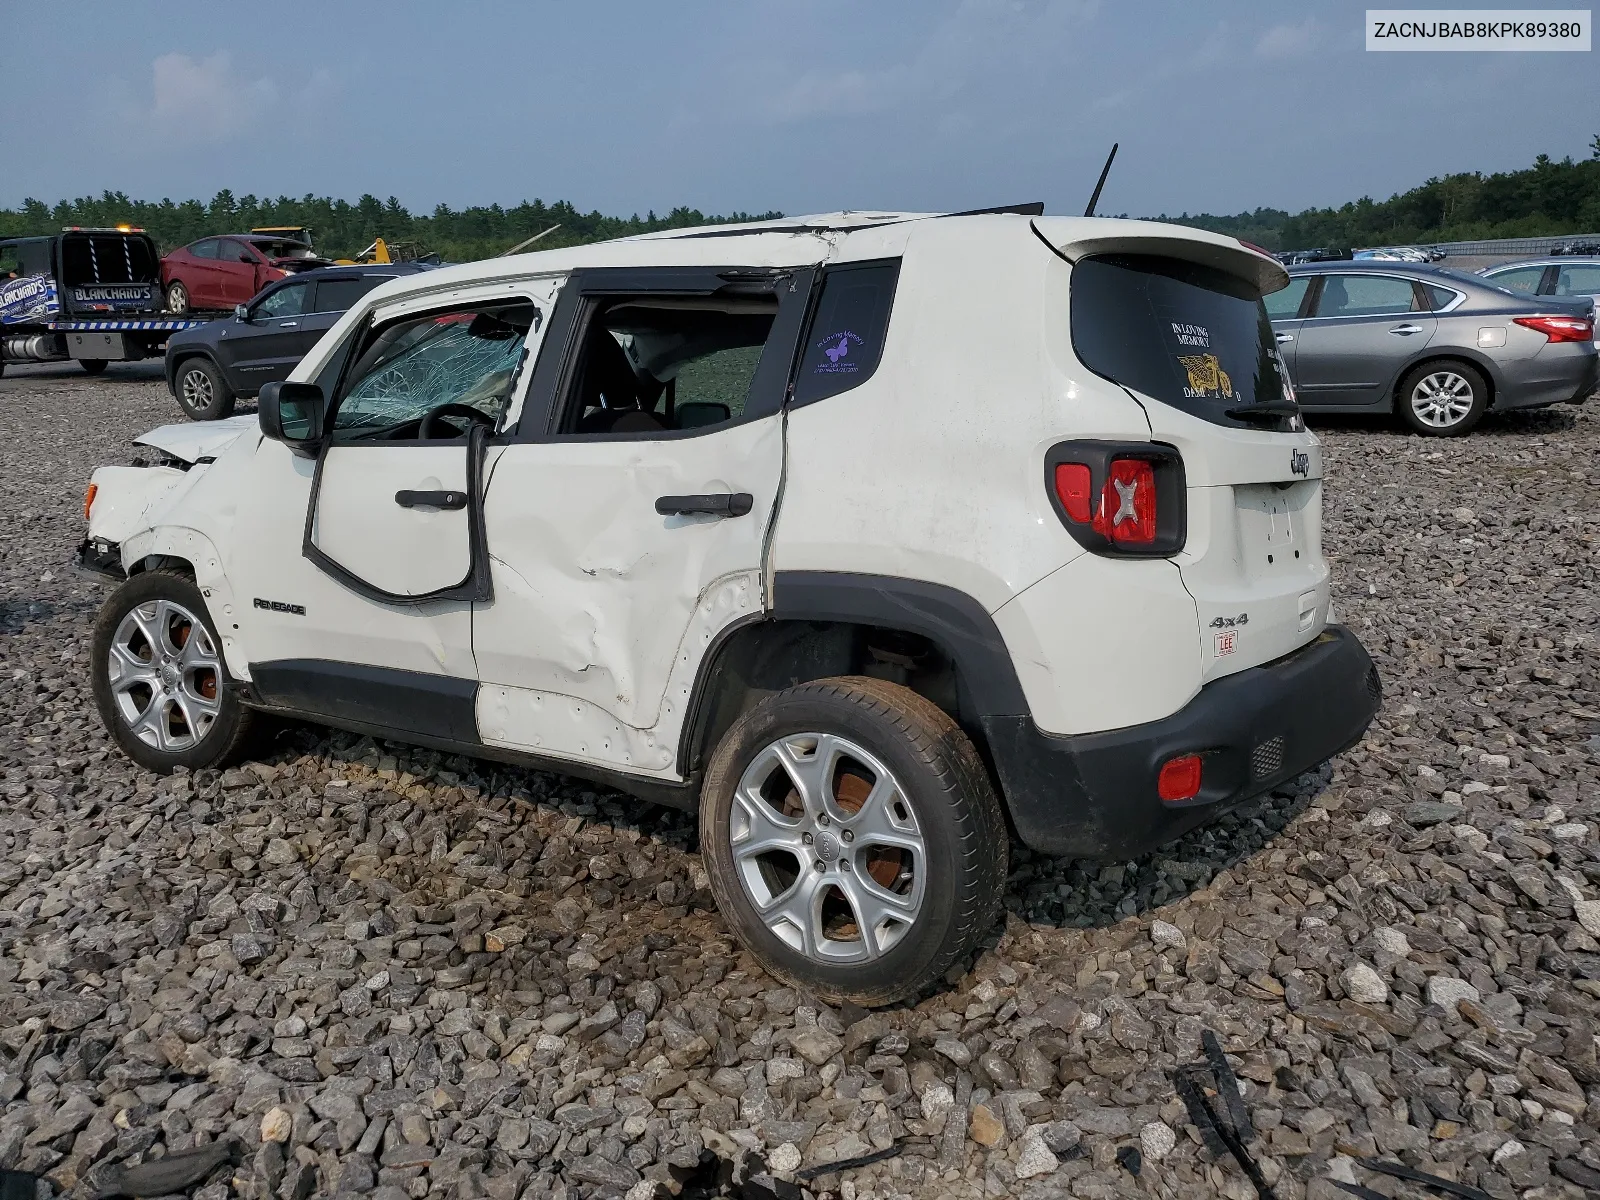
<point>869,535</point>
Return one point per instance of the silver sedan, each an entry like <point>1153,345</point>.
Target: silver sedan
<point>1437,346</point>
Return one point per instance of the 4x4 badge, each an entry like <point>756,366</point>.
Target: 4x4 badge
<point>1299,462</point>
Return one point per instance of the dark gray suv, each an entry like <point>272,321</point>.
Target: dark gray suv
<point>1436,346</point>
<point>212,365</point>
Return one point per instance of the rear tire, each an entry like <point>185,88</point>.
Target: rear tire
<point>159,680</point>
<point>852,838</point>
<point>177,298</point>
<point>1443,398</point>
<point>93,366</point>
<point>201,391</point>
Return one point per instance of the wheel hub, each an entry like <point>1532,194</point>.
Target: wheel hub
<point>827,848</point>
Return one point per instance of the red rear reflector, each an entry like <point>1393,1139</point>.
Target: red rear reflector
<point>88,499</point>
<point>1179,778</point>
<point>1560,329</point>
<point>1072,488</point>
<point>1262,250</point>
<point>1127,512</point>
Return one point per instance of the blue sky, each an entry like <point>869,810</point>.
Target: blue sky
<point>803,107</point>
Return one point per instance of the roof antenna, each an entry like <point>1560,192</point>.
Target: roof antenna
<point>1104,171</point>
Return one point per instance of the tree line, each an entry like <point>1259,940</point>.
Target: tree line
<point>342,229</point>
<point>1547,199</point>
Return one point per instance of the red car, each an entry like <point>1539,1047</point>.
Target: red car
<point>220,272</point>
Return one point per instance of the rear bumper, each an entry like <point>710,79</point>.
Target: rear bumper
<point>1550,379</point>
<point>1094,795</point>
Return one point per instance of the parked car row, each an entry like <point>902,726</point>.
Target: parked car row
<point>1437,346</point>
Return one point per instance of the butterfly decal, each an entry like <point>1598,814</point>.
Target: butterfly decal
<point>835,353</point>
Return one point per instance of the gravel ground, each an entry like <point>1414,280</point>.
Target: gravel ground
<point>385,971</point>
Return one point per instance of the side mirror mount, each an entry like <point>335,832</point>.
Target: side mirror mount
<point>293,413</point>
<point>242,312</point>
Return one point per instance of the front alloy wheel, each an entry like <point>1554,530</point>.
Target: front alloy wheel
<point>164,674</point>
<point>159,680</point>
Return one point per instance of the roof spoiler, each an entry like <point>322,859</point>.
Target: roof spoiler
<point>1073,238</point>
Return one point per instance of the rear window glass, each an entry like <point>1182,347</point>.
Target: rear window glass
<point>1189,336</point>
<point>336,295</point>
<point>107,258</point>
<point>845,339</point>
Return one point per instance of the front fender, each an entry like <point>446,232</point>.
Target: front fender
<point>164,543</point>
<point>126,499</point>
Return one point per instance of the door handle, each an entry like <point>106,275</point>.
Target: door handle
<point>721,504</point>
<point>1283,337</point>
<point>1405,330</point>
<point>450,500</point>
<point>288,324</point>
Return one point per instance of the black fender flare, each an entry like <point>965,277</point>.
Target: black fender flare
<point>946,616</point>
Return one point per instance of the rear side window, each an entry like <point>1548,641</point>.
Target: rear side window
<point>1439,298</point>
<point>204,249</point>
<point>845,338</point>
<point>336,295</point>
<point>1186,335</point>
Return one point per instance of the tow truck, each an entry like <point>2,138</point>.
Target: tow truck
<point>88,295</point>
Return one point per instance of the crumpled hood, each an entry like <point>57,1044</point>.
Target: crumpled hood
<point>193,440</point>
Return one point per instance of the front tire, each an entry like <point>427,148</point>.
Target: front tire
<point>1445,398</point>
<point>159,680</point>
<point>177,298</point>
<point>202,392</point>
<point>93,366</point>
<point>852,838</point>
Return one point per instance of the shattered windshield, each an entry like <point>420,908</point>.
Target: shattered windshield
<point>413,367</point>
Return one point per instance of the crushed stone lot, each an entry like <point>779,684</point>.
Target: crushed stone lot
<point>389,972</point>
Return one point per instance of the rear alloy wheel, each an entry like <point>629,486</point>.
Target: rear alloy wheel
<point>159,680</point>
<point>177,298</point>
<point>852,838</point>
<point>202,392</point>
<point>1443,399</point>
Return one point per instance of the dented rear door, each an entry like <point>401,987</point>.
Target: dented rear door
<point>619,554</point>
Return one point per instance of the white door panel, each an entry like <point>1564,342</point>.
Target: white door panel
<point>595,593</point>
<point>410,551</point>
<point>265,566</point>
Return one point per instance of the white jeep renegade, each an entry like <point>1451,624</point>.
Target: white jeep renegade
<point>870,535</point>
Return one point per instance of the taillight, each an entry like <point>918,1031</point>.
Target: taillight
<point>1119,498</point>
<point>1560,329</point>
<point>1074,488</point>
<point>1179,778</point>
<point>88,499</point>
<point>1127,512</point>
